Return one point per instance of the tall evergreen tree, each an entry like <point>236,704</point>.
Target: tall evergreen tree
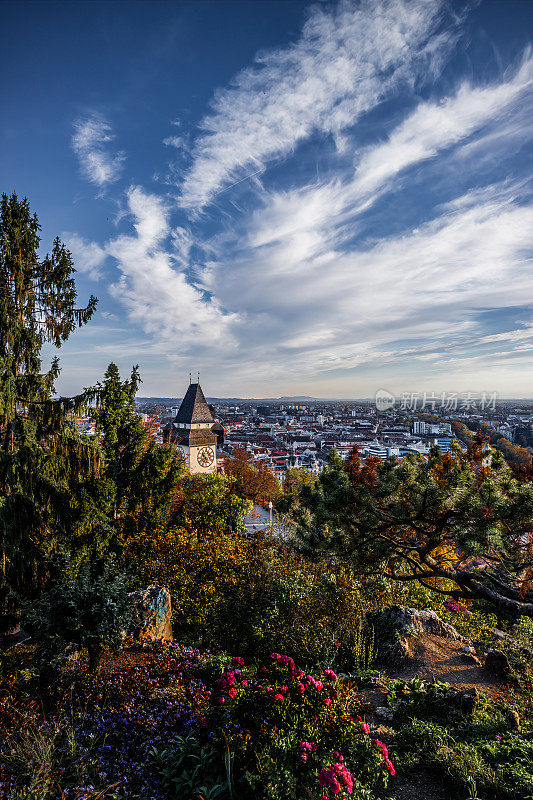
<point>138,480</point>
<point>40,452</point>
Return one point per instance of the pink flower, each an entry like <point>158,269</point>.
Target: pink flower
<point>232,693</point>
<point>278,698</point>
<point>300,688</point>
<point>390,767</point>
<point>326,701</point>
<point>244,683</point>
<point>331,674</point>
<point>269,689</point>
<point>284,689</point>
<point>275,657</point>
<point>238,661</point>
<point>221,700</point>
<point>365,728</point>
<point>226,679</point>
<point>333,776</point>
<point>319,685</point>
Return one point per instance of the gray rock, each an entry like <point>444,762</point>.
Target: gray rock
<point>466,701</point>
<point>513,720</point>
<point>400,651</point>
<point>412,620</point>
<point>384,713</point>
<point>496,661</point>
<point>152,614</point>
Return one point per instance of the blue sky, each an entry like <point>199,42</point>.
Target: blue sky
<point>292,198</point>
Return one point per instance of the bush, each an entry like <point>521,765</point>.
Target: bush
<point>474,753</point>
<point>190,769</point>
<point>313,616</point>
<point>80,608</point>
<point>292,735</point>
<point>253,596</point>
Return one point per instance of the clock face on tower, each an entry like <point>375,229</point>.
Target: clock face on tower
<point>206,456</point>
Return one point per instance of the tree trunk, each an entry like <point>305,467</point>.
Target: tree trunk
<point>96,652</point>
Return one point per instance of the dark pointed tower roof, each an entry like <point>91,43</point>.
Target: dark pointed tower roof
<point>194,406</point>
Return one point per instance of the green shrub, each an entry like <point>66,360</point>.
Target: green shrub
<point>473,753</point>
<point>419,741</point>
<point>83,606</point>
<point>314,619</point>
<point>253,596</point>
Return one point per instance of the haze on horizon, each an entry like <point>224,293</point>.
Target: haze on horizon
<point>320,199</point>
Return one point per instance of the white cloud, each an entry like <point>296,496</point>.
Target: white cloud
<point>90,141</point>
<point>153,285</point>
<point>88,257</point>
<point>291,292</point>
<point>348,58</point>
<point>312,306</point>
<point>179,142</point>
<point>436,126</point>
<point>308,212</point>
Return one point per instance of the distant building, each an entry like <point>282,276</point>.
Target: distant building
<point>444,444</point>
<point>192,432</point>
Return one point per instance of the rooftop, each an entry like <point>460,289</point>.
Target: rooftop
<point>194,406</point>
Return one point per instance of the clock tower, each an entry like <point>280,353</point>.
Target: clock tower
<point>191,432</point>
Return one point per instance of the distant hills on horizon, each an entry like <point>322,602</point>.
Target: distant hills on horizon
<point>284,399</point>
<point>174,401</point>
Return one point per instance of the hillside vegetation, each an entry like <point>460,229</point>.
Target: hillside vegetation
<point>291,672</point>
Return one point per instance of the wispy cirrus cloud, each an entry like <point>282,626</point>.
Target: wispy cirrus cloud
<point>405,257</point>
<point>90,141</point>
<point>429,131</point>
<point>348,59</point>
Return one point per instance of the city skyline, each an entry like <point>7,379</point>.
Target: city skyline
<point>322,199</point>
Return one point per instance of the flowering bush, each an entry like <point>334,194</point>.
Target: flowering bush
<point>292,735</point>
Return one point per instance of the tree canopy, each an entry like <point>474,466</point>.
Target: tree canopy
<point>43,461</point>
<point>257,484</point>
<point>403,520</point>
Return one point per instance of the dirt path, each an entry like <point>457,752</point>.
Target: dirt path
<point>434,659</point>
<point>438,659</point>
